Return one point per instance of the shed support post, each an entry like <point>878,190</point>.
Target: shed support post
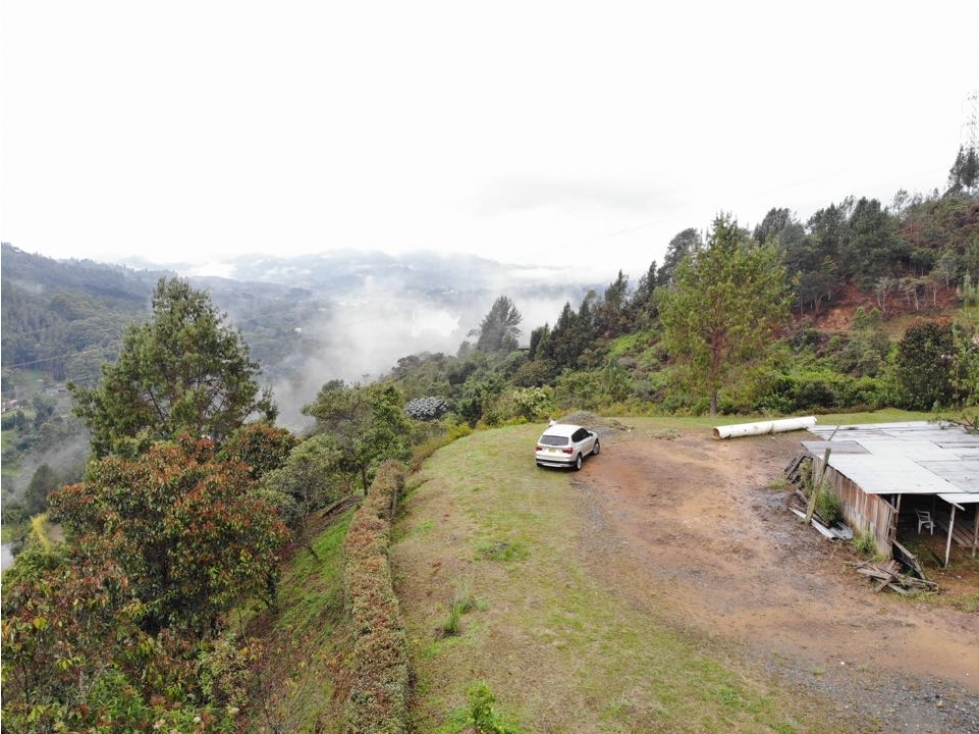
<point>948,544</point>
<point>975,531</point>
<point>895,519</point>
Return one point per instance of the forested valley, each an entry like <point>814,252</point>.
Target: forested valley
<point>150,436</point>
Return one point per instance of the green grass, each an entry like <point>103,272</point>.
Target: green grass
<point>559,647</point>
<point>887,415</point>
<point>307,640</point>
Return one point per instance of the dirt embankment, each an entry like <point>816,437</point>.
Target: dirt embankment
<point>694,521</point>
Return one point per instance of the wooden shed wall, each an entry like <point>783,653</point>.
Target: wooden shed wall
<point>862,510</point>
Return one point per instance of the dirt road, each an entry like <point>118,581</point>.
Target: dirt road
<point>695,521</point>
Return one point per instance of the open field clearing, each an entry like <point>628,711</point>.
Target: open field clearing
<point>662,588</point>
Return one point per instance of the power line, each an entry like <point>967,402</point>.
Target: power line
<point>51,359</point>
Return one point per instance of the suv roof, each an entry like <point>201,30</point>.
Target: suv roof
<point>561,429</point>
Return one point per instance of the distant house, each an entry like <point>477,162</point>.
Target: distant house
<point>886,473</point>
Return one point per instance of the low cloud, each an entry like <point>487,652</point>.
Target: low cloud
<point>363,336</point>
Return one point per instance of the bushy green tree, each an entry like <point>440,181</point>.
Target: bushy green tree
<point>368,423</point>
<point>185,370</point>
<point>965,363</point>
<point>641,307</point>
<point>44,481</point>
<point>309,474</point>
<point>181,526</point>
<point>572,335</point>
<point>262,447</point>
<point>610,314</point>
<point>924,359</point>
<point>75,657</point>
<point>873,249</point>
<point>725,307</point>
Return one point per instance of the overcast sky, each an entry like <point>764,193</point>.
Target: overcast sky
<point>527,132</point>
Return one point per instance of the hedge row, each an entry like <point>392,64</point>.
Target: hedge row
<point>378,702</point>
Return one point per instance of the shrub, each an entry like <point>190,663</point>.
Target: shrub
<point>864,543</point>
<point>452,625</point>
<point>482,716</point>
<point>501,550</point>
<point>829,507</point>
<point>533,402</point>
<point>534,374</point>
<point>284,505</point>
<point>594,389</point>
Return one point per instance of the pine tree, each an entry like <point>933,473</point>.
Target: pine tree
<point>183,371</point>
<point>724,306</point>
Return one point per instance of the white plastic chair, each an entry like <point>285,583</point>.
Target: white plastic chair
<point>925,521</point>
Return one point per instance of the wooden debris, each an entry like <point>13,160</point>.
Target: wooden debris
<point>817,484</point>
<point>838,531</point>
<point>889,575</point>
<point>796,467</point>
<point>903,555</point>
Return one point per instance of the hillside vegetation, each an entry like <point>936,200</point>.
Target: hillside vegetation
<point>211,579</point>
<point>733,322</point>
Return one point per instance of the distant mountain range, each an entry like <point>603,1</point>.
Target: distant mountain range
<point>307,319</point>
<point>349,271</point>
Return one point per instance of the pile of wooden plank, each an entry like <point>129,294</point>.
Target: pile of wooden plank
<point>838,531</point>
<point>796,470</point>
<point>890,575</point>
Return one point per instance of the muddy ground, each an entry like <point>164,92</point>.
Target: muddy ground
<point>696,522</point>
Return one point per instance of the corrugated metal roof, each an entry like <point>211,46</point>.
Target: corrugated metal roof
<point>961,498</point>
<point>904,458</point>
<point>817,448</point>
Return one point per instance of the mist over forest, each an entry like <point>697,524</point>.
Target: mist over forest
<point>307,320</point>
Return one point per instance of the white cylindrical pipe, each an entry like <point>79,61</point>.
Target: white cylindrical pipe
<point>760,428</point>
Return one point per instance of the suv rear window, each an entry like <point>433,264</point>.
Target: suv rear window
<point>546,440</point>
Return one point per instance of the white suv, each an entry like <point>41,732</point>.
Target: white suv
<point>566,445</point>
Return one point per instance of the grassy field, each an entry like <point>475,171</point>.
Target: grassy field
<point>306,641</point>
<point>496,552</point>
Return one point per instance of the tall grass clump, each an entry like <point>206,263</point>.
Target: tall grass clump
<point>829,506</point>
<point>464,602</point>
<point>864,543</point>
